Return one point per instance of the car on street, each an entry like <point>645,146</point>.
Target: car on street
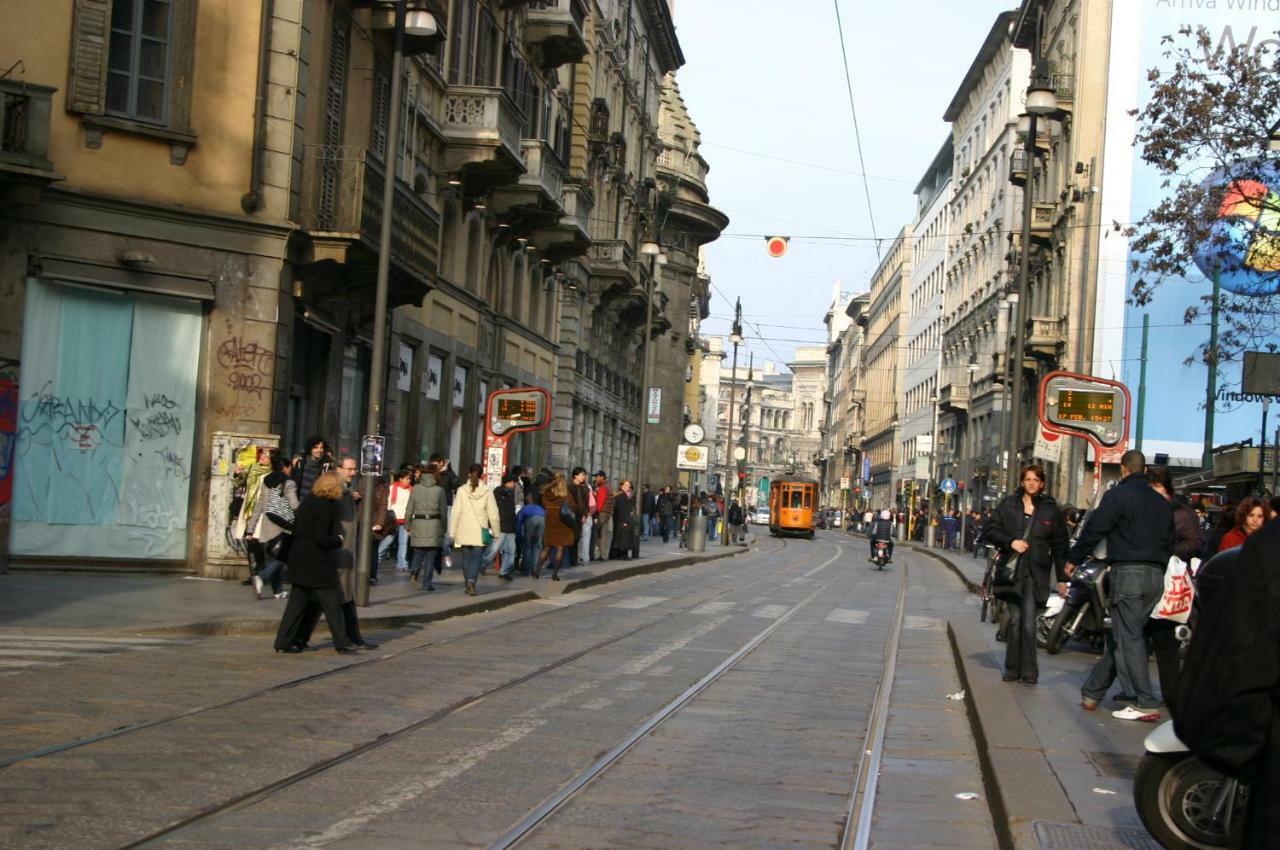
<point>836,518</point>
<point>759,515</point>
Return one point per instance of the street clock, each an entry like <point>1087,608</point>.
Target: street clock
<point>694,434</point>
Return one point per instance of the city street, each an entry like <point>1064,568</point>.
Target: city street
<point>732,703</point>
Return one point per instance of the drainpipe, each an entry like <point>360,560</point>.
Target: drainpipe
<point>251,202</point>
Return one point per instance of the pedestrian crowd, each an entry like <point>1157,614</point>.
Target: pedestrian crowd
<point>301,527</point>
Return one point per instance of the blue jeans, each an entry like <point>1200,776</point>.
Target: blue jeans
<point>534,529</point>
<point>423,564</point>
<point>712,522</point>
<point>1135,590</point>
<point>505,545</point>
<point>472,561</point>
<point>646,524</point>
<point>271,574</point>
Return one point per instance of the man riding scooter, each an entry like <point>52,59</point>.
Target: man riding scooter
<point>881,529</point>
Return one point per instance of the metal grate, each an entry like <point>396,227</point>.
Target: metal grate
<point>1114,765</point>
<point>1062,836</point>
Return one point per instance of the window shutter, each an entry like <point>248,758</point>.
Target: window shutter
<point>86,89</point>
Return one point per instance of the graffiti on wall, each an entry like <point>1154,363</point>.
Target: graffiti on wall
<point>8,430</point>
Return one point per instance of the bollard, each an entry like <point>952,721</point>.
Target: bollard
<point>698,532</point>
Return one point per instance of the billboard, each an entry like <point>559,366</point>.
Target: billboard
<point>1175,391</point>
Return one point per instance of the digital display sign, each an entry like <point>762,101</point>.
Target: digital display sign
<point>518,409</point>
<point>1086,406</point>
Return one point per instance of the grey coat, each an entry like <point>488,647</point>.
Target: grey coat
<point>269,530</point>
<point>426,513</point>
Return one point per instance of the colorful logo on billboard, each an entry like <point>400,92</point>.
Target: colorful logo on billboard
<point>1245,238</point>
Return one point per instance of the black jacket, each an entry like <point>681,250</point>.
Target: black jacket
<point>649,503</point>
<point>624,523</point>
<point>505,497</point>
<point>316,530</point>
<point>1048,537</point>
<point>1188,539</point>
<point>1228,698</point>
<point>1136,521</point>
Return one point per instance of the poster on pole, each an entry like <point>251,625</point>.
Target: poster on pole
<point>655,406</point>
<point>372,451</point>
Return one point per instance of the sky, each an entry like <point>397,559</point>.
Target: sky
<point>764,83</point>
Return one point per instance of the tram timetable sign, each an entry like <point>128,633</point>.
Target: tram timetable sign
<point>1085,406</point>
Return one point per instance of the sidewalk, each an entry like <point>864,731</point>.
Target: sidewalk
<point>1063,776</point>
<point>89,603</point>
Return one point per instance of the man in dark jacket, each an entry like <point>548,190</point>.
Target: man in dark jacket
<point>505,543</point>
<point>580,502</point>
<point>1228,704</point>
<point>881,529</point>
<point>666,511</point>
<point>311,464</point>
<point>648,507</point>
<point>1137,523</point>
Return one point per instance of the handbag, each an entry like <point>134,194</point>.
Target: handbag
<point>1005,582</point>
<point>1179,592</point>
<point>277,507</point>
<point>567,516</point>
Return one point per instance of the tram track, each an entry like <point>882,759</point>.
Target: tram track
<point>360,664</point>
<point>268,790</point>
<point>856,830</point>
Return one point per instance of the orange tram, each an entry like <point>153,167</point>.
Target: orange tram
<point>792,502</point>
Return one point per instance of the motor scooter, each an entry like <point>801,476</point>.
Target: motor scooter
<point>881,556</point>
<point>1044,620</point>
<point>1086,612</point>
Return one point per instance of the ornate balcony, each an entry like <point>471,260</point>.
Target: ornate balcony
<point>536,195</point>
<point>1018,167</point>
<point>571,235</point>
<point>341,211</point>
<point>953,398</point>
<point>482,126</point>
<point>1046,337</point>
<point>24,141</point>
<point>558,28</point>
<point>612,258</point>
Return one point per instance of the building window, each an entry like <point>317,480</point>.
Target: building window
<point>138,59</point>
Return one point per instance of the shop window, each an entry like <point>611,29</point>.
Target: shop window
<point>105,423</point>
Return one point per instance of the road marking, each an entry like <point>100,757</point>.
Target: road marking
<point>8,664</point>
<point>49,653</point>
<point>770,612</point>
<point>638,602</point>
<point>24,638</point>
<point>19,652</point>
<point>814,571</point>
<point>567,599</point>
<point>644,662</point>
<point>912,621</point>
<point>713,608</point>
<point>597,704</point>
<point>848,615</point>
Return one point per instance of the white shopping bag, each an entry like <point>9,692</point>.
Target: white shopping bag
<point>1175,603</point>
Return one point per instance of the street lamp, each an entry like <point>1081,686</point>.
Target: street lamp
<point>1040,102</point>
<point>735,336</point>
<point>653,251</point>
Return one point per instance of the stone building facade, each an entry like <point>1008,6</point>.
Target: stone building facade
<point>883,369</point>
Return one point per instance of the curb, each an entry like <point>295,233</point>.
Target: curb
<point>646,569</point>
<point>969,584</point>
<point>1021,785</point>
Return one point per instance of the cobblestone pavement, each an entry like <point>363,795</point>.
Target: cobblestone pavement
<point>448,734</point>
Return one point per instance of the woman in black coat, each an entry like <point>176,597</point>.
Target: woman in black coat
<point>1028,523</point>
<point>313,568</point>
<point>625,539</point>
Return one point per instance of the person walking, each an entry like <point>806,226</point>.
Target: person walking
<point>560,524</point>
<point>397,499</point>
<point>313,570</point>
<point>531,526</point>
<point>647,507</point>
<point>666,511</point>
<point>1186,545</point>
<point>311,464</point>
<point>1250,515</point>
<point>735,518</point>
<point>626,532</point>
<point>504,543</point>
<point>347,469</point>
<point>1137,523</point>
<point>272,523</point>
<point>427,512</point>
<point>1028,525</point>
<point>711,506</point>
<point>604,499</point>
<point>474,512</point>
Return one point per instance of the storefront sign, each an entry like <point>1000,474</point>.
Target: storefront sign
<point>432,377</point>
<point>404,370</point>
<point>655,405</point>
<point>691,457</point>
<point>459,386</point>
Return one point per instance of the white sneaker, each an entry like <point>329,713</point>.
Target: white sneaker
<point>1129,712</point>
<point>284,594</point>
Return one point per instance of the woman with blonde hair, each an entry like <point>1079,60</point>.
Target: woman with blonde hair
<point>313,567</point>
<point>561,520</point>
<point>474,513</point>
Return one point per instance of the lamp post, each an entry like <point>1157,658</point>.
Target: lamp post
<point>373,420</point>
<point>652,250</point>
<point>735,336</point>
<point>933,465</point>
<point>1041,102</point>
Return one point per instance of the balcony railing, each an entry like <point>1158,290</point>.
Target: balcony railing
<point>559,27</point>
<point>546,173</point>
<point>24,129</point>
<point>482,116</point>
<point>612,257</point>
<point>689,167</point>
<point>342,198</point>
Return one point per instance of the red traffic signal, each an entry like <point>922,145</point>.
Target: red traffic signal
<point>776,245</point>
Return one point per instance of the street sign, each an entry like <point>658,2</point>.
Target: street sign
<point>948,486</point>
<point>691,457</point>
<point>1085,406</point>
<point>1048,447</point>
<point>511,411</point>
<point>844,483</point>
<point>924,444</point>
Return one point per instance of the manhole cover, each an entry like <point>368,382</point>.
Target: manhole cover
<point>1063,836</point>
<point>1114,765</point>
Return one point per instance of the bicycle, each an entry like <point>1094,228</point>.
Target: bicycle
<point>990,604</point>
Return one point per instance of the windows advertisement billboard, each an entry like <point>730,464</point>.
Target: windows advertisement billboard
<point>1247,227</point>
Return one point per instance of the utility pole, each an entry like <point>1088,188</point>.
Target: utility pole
<point>746,425</point>
<point>652,249</point>
<point>1211,390</point>
<point>1020,315</point>
<point>735,335</point>
<point>378,372</point>
<point>1142,382</point>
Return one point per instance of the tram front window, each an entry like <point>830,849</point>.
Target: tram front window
<point>797,499</point>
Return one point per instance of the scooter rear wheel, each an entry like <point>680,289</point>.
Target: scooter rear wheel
<point>1058,631</point>
<point>1174,794</point>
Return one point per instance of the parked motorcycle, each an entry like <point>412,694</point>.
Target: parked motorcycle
<point>1086,612</point>
<point>881,556</point>
<point>1044,620</point>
